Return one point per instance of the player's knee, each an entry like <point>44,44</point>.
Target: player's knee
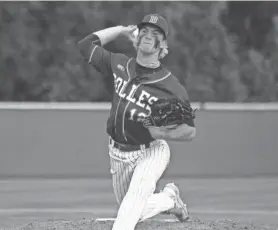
<point>146,187</point>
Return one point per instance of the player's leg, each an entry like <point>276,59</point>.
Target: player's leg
<point>156,204</point>
<point>180,208</point>
<point>168,201</point>
<point>148,171</point>
<point>121,168</point>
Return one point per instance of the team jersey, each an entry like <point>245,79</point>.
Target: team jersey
<point>135,89</point>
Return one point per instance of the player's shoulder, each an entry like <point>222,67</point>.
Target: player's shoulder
<point>171,76</point>
<point>173,80</point>
<point>176,86</point>
<point>119,58</point>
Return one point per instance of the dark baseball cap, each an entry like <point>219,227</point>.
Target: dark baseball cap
<point>155,20</point>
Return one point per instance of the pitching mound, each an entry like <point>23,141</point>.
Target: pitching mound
<point>192,224</point>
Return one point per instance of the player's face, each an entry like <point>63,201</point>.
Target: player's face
<point>150,39</point>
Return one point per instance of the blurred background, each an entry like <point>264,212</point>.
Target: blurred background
<point>54,162</point>
<point>221,51</point>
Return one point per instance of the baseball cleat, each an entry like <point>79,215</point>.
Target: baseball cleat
<point>180,209</point>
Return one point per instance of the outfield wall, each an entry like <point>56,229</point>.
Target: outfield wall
<point>51,140</point>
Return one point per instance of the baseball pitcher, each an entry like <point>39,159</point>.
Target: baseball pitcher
<point>149,107</point>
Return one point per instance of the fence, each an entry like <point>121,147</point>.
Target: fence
<point>69,140</point>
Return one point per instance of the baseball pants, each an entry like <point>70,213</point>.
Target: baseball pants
<point>135,175</point>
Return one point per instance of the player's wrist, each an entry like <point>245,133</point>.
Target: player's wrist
<point>129,30</point>
<point>109,34</point>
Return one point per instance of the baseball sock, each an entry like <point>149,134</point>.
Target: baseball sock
<point>157,203</point>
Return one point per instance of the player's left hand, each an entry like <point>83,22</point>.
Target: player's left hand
<point>169,113</point>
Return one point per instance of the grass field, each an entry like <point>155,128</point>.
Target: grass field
<point>27,201</point>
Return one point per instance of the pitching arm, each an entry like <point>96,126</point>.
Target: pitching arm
<point>95,55</point>
<point>91,47</point>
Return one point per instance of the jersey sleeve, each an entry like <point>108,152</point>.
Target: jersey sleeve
<point>95,55</point>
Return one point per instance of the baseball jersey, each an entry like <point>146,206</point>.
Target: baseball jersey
<point>135,89</point>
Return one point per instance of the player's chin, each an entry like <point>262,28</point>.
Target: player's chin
<point>146,48</point>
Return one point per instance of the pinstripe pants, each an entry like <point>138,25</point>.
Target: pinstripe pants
<point>134,176</point>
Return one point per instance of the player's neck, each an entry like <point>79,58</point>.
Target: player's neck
<point>149,61</point>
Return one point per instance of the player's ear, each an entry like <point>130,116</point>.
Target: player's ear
<point>163,49</point>
<point>163,44</point>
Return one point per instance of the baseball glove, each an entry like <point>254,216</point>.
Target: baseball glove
<point>167,112</point>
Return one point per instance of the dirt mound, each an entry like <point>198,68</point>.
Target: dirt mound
<point>192,224</point>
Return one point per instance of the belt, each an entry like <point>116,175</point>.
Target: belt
<point>127,147</point>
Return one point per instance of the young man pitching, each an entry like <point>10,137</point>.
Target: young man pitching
<point>139,153</point>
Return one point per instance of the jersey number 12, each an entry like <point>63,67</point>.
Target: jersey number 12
<point>134,116</point>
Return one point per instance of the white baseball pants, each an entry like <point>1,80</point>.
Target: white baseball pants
<point>135,175</point>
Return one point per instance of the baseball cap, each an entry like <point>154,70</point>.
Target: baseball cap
<point>155,20</point>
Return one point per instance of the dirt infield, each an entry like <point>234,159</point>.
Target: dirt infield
<point>238,203</point>
<point>193,224</point>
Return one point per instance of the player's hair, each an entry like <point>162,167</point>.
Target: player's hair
<point>163,52</point>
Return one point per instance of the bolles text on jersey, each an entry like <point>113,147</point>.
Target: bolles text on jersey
<point>144,100</point>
